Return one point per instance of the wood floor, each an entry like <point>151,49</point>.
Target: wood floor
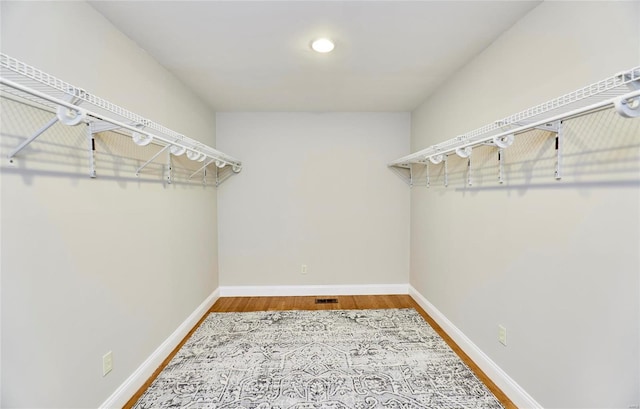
<point>349,302</point>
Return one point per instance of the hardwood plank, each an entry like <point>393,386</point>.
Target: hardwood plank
<point>346,302</point>
<point>350,302</point>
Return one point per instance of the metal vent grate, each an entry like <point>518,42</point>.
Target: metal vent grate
<point>326,300</point>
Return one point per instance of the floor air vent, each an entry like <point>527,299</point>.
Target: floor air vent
<point>326,300</point>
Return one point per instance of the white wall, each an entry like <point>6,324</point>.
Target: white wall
<point>315,190</point>
<point>555,262</point>
<point>88,266</point>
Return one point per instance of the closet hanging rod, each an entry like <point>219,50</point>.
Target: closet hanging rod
<point>14,74</point>
<point>619,84</point>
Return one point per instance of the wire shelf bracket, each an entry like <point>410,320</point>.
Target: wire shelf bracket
<point>500,165</point>
<point>446,171</point>
<point>620,91</point>
<point>559,140</point>
<point>29,85</point>
<point>92,152</point>
<point>428,178</point>
<point>152,159</point>
<point>411,176</point>
<point>169,168</point>
<point>202,169</point>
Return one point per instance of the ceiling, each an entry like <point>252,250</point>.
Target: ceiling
<point>255,55</point>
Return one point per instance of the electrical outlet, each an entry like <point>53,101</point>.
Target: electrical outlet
<point>303,269</point>
<point>502,335</point>
<point>107,363</point>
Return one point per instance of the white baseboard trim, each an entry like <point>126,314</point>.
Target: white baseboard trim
<point>131,385</point>
<point>301,290</point>
<point>514,391</point>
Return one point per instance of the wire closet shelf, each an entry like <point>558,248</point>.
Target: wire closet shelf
<point>620,91</point>
<point>72,106</point>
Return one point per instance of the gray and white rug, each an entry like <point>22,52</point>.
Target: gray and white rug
<point>329,359</point>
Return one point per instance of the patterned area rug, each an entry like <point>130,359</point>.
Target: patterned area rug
<point>329,359</point>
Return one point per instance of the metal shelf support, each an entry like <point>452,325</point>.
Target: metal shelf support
<point>169,168</point>
<point>411,176</point>
<point>501,166</point>
<point>559,137</point>
<point>446,171</point>
<point>92,152</point>
<point>32,138</point>
<point>103,127</point>
<point>202,169</point>
<point>551,126</point>
<point>151,159</point>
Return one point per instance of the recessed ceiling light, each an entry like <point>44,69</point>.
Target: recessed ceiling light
<point>322,45</point>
